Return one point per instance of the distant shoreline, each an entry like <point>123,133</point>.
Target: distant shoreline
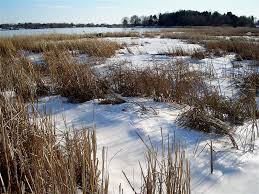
<point>133,27</point>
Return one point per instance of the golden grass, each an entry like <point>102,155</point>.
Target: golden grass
<point>177,52</point>
<point>114,34</point>
<point>194,54</point>
<point>90,46</point>
<point>214,31</point>
<point>34,160</point>
<point>32,157</point>
<point>21,76</point>
<point>191,37</point>
<point>245,50</point>
<point>215,41</point>
<point>76,82</point>
<point>165,171</point>
<point>173,82</point>
<point>6,48</point>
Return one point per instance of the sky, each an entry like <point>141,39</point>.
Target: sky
<point>111,11</point>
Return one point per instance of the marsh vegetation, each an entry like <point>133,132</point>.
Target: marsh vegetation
<point>36,158</point>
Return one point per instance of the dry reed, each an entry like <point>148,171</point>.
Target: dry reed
<point>34,160</point>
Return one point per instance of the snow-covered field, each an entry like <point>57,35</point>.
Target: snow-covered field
<point>142,52</point>
<point>117,126</point>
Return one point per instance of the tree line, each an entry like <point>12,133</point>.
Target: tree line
<point>52,25</point>
<point>179,18</point>
<point>190,18</point>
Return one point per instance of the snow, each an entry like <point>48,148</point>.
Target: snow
<point>248,37</point>
<point>142,52</point>
<point>146,52</point>
<point>117,127</point>
<point>154,46</point>
<point>36,58</point>
<point>8,94</point>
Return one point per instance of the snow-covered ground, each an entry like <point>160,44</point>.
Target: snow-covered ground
<point>146,52</point>
<point>117,126</point>
<point>235,171</point>
<point>142,52</point>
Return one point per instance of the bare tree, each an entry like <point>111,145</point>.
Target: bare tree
<point>135,20</point>
<point>125,21</point>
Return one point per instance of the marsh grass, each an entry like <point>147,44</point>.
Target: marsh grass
<point>114,34</point>
<point>113,101</point>
<point>175,52</point>
<point>172,82</point>
<point>245,49</point>
<point>75,81</point>
<point>220,41</point>
<point>190,37</point>
<point>186,33</point>
<point>212,112</point>
<point>38,44</point>
<point>91,47</point>
<point>197,54</point>
<point>165,171</point>
<point>6,48</point>
<point>21,76</point>
<point>34,159</point>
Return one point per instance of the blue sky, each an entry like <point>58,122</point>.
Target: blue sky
<point>111,11</point>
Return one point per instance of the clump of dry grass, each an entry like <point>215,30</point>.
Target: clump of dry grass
<point>198,54</point>
<point>212,112</point>
<point>198,119</point>
<point>248,86</point>
<point>190,37</point>
<point>211,31</point>
<point>134,82</point>
<point>178,52</point>
<point>245,49</point>
<point>6,48</point>
<point>231,111</point>
<point>37,44</point>
<point>91,47</point>
<point>22,77</point>
<point>114,34</point>
<point>27,81</point>
<point>5,75</point>
<point>34,160</point>
<point>112,101</point>
<point>172,82</point>
<point>151,34</point>
<point>202,120</point>
<point>168,172</point>
<point>75,81</point>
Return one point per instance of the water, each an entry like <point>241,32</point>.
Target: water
<point>86,30</point>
